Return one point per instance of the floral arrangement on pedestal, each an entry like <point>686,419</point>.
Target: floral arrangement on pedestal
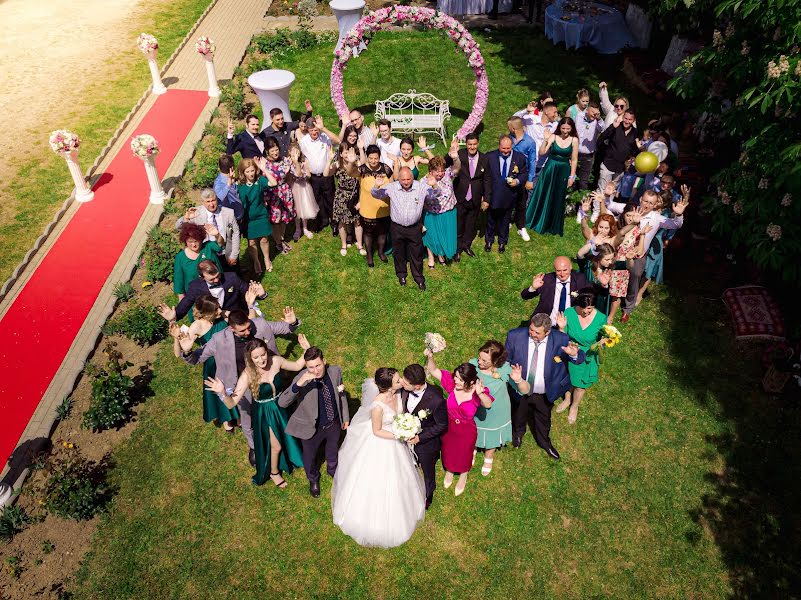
<point>205,46</point>
<point>379,20</point>
<point>144,145</point>
<point>62,141</point>
<point>147,43</point>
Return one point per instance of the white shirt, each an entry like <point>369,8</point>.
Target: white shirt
<point>391,147</point>
<point>658,221</point>
<point>366,136</point>
<point>557,292</point>
<point>316,153</point>
<point>414,398</point>
<point>535,128</point>
<point>538,386</point>
<point>217,292</point>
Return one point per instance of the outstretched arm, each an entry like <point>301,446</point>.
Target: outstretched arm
<point>431,366</point>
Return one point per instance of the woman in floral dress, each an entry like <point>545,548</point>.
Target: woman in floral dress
<point>279,200</point>
<point>439,218</point>
<point>347,194</point>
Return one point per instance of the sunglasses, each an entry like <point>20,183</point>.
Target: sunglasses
<point>620,106</point>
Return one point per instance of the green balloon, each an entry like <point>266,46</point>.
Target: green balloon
<point>646,162</point>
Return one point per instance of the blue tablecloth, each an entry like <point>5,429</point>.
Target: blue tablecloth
<point>604,30</point>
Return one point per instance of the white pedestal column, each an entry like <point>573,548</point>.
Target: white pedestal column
<point>348,13</point>
<point>214,89</point>
<point>157,194</point>
<point>158,86</point>
<point>82,191</point>
<point>6,492</point>
<point>272,87</point>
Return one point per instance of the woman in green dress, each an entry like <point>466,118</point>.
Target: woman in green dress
<point>275,450</point>
<point>408,159</point>
<point>546,207</point>
<point>494,424</point>
<point>583,323</point>
<point>598,263</point>
<point>196,248</point>
<point>257,215</point>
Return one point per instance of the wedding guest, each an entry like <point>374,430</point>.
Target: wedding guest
<point>387,143</point>
<point>597,263</point>
<point>578,110</point>
<point>583,323</point>
<point>248,143</point>
<point>196,249</point>
<point>544,354</point>
<point>546,209</point>
<point>522,143</point>
<point>631,247</point>
<point>346,198</point>
<point>470,186</point>
<point>508,174</point>
<point>278,198</point>
<point>622,144</point>
<point>281,130</point>
<point>306,208</point>
<point>275,450</point>
<point>366,134</point>
<point>407,159</point>
<point>257,221</point>
<point>555,289</point>
<point>406,198</point>
<point>439,216</point>
<point>539,126</point>
<point>225,187</point>
<point>533,111</point>
<point>320,416</point>
<point>316,149</point>
<point>494,424</point>
<point>374,212</point>
<point>589,128</point>
<point>226,287</point>
<point>612,111</point>
<point>466,393</point>
<point>418,396</point>
<point>210,212</point>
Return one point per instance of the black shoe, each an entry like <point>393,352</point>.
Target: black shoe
<point>552,453</point>
<point>470,253</point>
<point>487,247</point>
<point>383,258</point>
<point>428,504</point>
<point>252,458</point>
<point>501,248</point>
<point>334,231</point>
<point>457,257</point>
<point>422,285</point>
<point>314,489</point>
<point>517,442</point>
<point>402,280</point>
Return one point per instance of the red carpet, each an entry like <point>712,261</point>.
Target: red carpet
<point>41,324</point>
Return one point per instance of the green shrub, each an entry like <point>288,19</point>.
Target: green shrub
<point>232,97</point>
<point>272,43</point>
<point>75,488</point>
<point>64,409</point>
<point>159,254</point>
<point>13,519</point>
<point>303,39</point>
<point>48,547</point>
<point>112,397</point>
<point>14,566</point>
<point>203,168</point>
<point>260,64</point>
<point>124,291</point>
<point>142,324</point>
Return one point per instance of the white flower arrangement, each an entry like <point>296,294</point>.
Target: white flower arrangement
<point>62,140</point>
<point>435,342</point>
<point>144,145</point>
<point>574,294</point>
<point>405,426</point>
<point>205,46</point>
<point>147,42</point>
<point>341,388</point>
<point>423,414</point>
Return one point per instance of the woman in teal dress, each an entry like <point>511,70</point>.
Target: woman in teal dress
<point>276,451</point>
<point>598,263</point>
<point>257,215</point>
<point>495,423</point>
<point>408,159</point>
<point>583,323</point>
<point>439,213</point>
<point>546,207</point>
<point>196,248</point>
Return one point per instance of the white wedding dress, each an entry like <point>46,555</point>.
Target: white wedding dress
<point>378,497</point>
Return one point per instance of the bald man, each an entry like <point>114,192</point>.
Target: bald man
<point>554,289</point>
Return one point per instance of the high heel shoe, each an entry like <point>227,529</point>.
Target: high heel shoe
<point>458,491</point>
<point>448,481</point>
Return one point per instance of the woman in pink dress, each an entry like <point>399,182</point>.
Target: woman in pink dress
<point>465,394</point>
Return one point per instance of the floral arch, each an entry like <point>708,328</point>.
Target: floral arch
<point>378,20</point>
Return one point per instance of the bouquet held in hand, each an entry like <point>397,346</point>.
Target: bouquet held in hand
<point>435,342</point>
<point>405,426</point>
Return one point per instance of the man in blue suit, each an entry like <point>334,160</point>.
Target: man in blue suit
<point>508,175</point>
<point>543,354</point>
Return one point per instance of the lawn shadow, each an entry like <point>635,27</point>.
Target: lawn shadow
<point>752,513</point>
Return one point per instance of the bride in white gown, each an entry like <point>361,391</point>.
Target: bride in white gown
<point>378,497</point>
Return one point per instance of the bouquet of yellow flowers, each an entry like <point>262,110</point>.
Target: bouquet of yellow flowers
<point>612,337</point>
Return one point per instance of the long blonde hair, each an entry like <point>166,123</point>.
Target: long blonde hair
<point>252,370</point>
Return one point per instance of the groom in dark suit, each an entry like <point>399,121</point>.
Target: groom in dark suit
<point>417,395</point>
<point>470,187</point>
<point>555,289</point>
<point>508,175</point>
<point>543,353</point>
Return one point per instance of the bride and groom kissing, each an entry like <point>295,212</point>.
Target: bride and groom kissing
<point>378,495</point>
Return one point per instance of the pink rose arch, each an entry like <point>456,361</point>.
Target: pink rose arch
<point>363,31</point>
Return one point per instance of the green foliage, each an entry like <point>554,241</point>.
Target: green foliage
<point>180,200</point>
<point>272,43</point>
<point>203,169</point>
<point>124,291</point>
<point>112,396</point>
<point>75,488</point>
<point>283,42</point>
<point>13,519</point>
<point>14,566</point>
<point>159,254</point>
<point>303,39</point>
<point>232,97</point>
<point>64,409</point>
<point>142,324</point>
<point>48,547</point>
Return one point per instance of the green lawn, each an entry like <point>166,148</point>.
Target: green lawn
<point>656,494</point>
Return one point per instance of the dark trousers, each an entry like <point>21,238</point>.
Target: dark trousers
<point>428,463</point>
<point>466,214</point>
<point>636,271</point>
<point>498,224</point>
<point>329,436</point>
<point>531,10</point>
<point>323,188</point>
<point>584,170</point>
<point>407,247</point>
<point>533,410</point>
<point>520,208</point>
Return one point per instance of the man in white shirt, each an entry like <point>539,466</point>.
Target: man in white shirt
<point>536,126</point>
<point>316,148</point>
<point>387,143</point>
<point>365,134</point>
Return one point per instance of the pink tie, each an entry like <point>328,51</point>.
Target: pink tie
<point>471,161</point>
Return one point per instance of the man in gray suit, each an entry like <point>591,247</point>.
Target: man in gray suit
<point>321,414</point>
<point>219,216</point>
<point>227,347</point>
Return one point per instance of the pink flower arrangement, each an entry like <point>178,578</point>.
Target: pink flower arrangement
<point>375,21</point>
<point>144,145</point>
<point>147,43</point>
<point>62,140</point>
<point>205,46</point>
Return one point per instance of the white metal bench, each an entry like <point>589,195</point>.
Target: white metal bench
<point>414,113</point>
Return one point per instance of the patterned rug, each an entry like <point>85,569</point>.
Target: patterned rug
<point>754,312</point>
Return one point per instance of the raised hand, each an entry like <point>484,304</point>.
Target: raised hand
<point>374,129</point>
<point>305,378</point>
<point>167,312</point>
<point>571,349</point>
<point>610,189</point>
<point>289,315</point>
<point>185,341</point>
<point>318,121</point>
<point>538,280</point>
<point>380,179</point>
<point>604,277</point>
<point>359,144</point>
<point>422,142</point>
<point>215,385</point>
<point>586,203</point>
<point>517,373</point>
<point>211,229</point>
<point>258,288</point>
<point>304,343</point>
<point>251,295</point>
<point>453,151</point>
<point>602,85</point>
<point>231,176</point>
<point>561,321</point>
<point>646,229</point>
<point>532,106</point>
<point>681,205</point>
<point>230,127</point>
<point>685,191</point>
<point>547,134</point>
<point>260,162</point>
<point>350,155</point>
<point>294,153</point>
<point>431,180</point>
<point>308,105</point>
<point>175,330</point>
<point>190,213</point>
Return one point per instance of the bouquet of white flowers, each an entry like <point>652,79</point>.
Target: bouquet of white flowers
<point>205,46</point>
<point>144,145</point>
<point>405,426</point>
<point>62,140</point>
<point>147,42</point>
<point>435,342</point>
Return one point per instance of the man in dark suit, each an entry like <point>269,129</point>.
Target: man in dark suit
<point>556,289</point>
<point>508,175</point>
<point>281,130</point>
<point>248,143</point>
<point>543,353</point>
<point>418,396</point>
<point>469,186</point>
